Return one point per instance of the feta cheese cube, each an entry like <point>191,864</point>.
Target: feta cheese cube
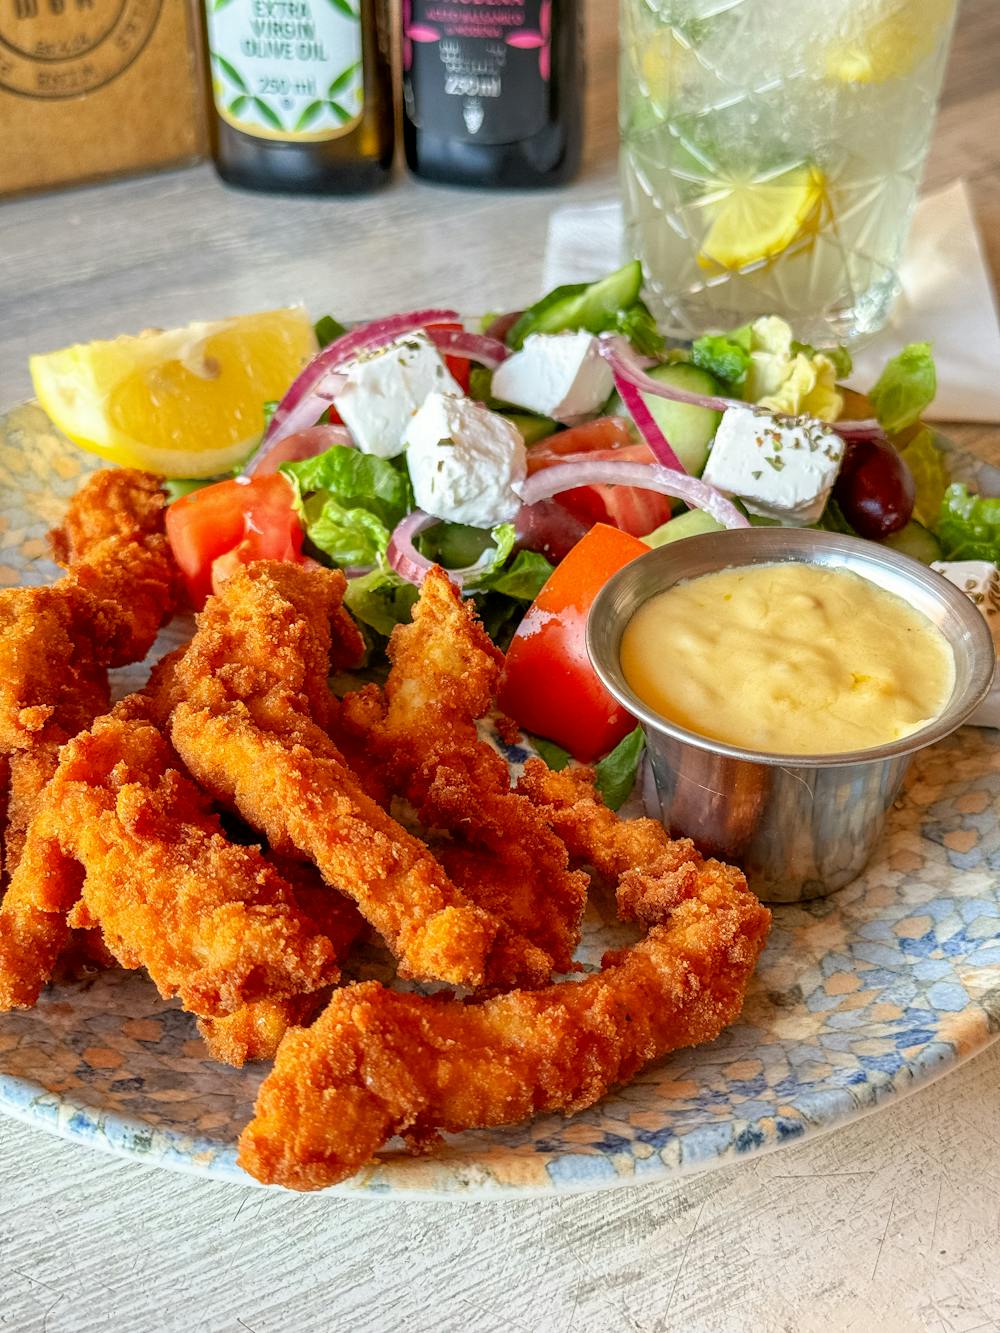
<point>980,582</point>
<point>464,462</point>
<point>559,375</point>
<point>385,388</point>
<point>783,469</point>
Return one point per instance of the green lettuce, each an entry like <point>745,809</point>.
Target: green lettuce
<point>381,600</point>
<point>349,503</point>
<point>327,329</point>
<point>724,355</point>
<point>905,388</point>
<point>968,525</point>
<point>926,462</point>
<point>616,773</point>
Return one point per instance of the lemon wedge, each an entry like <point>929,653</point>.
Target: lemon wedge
<point>903,33</point>
<point>754,219</point>
<point>182,403</point>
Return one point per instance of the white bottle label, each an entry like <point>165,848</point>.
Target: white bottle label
<point>287,69</point>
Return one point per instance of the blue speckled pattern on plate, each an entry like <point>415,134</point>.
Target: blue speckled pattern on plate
<point>858,998</point>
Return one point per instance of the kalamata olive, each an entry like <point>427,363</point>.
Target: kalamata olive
<point>548,528</point>
<point>875,489</point>
<point>503,324</point>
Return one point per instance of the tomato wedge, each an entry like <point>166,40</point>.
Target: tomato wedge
<point>548,685</point>
<point>459,366</point>
<point>629,508</point>
<point>216,529</point>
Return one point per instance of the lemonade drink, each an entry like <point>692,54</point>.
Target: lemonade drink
<point>771,152</point>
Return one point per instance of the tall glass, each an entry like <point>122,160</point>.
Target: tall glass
<point>771,152</point>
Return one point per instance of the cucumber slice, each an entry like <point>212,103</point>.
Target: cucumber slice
<point>690,524</point>
<point>532,428</point>
<point>580,305</point>
<point>689,430</point>
<point>916,541</point>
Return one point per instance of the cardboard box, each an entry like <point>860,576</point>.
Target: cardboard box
<point>92,88</point>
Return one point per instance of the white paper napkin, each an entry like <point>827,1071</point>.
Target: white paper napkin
<point>947,297</point>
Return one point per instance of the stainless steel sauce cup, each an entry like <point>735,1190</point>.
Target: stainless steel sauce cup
<point>799,825</point>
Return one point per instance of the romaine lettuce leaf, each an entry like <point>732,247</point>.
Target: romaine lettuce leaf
<point>968,525</point>
<point>382,600</point>
<point>926,462</point>
<point>724,355</point>
<point>905,388</point>
<point>355,480</point>
<point>353,536</point>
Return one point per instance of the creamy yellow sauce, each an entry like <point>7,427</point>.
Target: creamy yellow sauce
<point>788,659</point>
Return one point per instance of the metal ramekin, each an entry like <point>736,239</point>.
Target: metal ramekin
<point>800,826</point>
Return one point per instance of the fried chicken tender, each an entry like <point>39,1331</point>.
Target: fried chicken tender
<point>57,642</point>
<point>124,841</point>
<point>254,1031</point>
<point>252,727</point>
<point>637,853</point>
<point>444,675</point>
<point>379,1063</point>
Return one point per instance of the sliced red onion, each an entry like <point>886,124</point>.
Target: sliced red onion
<point>646,424</point>
<point>293,448</point>
<point>617,351</point>
<point>647,476</point>
<point>474,346</point>
<point>309,396</point>
<point>628,369</point>
<point>409,564</point>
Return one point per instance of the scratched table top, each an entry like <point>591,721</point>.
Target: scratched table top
<point>893,1222</point>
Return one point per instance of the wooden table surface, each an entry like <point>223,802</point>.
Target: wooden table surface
<point>892,1223</point>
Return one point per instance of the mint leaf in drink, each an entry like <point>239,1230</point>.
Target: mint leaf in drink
<point>905,388</point>
<point>968,525</point>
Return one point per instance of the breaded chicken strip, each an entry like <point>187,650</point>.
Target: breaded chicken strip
<point>124,841</point>
<point>57,642</point>
<point>379,1063</point>
<point>252,727</point>
<point>444,675</point>
<point>254,1031</point>
<point>638,854</point>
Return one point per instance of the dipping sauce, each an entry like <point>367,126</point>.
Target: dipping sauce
<point>790,658</point>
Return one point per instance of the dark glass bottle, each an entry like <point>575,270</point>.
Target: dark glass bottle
<point>302,94</point>
<point>492,91</point>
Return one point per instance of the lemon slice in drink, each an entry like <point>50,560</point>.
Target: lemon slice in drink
<point>182,403</point>
<point>755,219</point>
<point>901,34</point>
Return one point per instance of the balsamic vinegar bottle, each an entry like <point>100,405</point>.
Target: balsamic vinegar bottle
<point>302,94</point>
<point>492,91</point>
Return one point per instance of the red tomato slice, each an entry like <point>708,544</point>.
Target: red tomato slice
<point>459,366</point>
<point>217,529</point>
<point>548,684</point>
<point>629,508</point>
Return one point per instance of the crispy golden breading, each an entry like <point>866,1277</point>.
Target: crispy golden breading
<point>125,841</point>
<point>638,854</point>
<point>251,727</point>
<point>57,642</point>
<point>254,1031</point>
<point>444,675</point>
<point>379,1063</point>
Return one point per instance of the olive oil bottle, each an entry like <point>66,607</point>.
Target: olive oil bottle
<point>302,94</point>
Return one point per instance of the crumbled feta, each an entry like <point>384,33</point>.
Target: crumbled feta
<point>385,388</point>
<point>980,582</point>
<point>464,462</point>
<point>559,375</point>
<point>779,469</point>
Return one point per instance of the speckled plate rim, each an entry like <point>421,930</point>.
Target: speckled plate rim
<point>115,1135</point>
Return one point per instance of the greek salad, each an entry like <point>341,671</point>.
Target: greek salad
<point>536,453</point>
